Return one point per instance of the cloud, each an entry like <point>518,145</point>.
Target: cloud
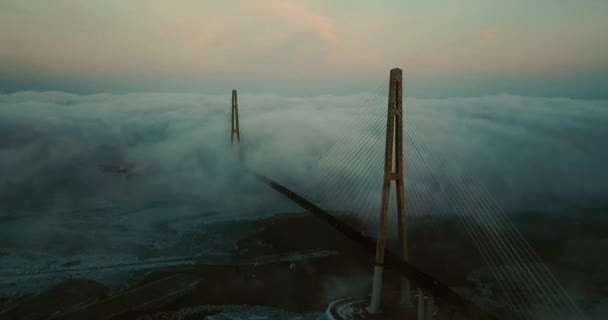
<point>188,40</point>
<point>533,154</point>
<point>298,14</point>
<point>521,148</point>
<point>147,45</point>
<point>487,35</point>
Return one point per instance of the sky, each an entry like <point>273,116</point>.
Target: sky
<point>446,48</point>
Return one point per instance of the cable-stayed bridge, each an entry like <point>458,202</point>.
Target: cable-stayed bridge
<point>380,148</point>
<point>430,235</point>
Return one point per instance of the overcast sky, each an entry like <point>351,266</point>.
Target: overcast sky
<point>446,48</point>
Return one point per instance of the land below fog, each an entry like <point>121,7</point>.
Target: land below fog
<point>290,262</point>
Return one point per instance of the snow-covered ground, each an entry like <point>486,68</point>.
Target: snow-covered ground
<point>236,312</point>
<point>108,243</point>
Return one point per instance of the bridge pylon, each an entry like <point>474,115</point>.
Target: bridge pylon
<point>393,171</point>
<point>234,131</point>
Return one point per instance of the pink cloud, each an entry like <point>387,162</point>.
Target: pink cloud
<point>487,35</point>
<point>305,17</point>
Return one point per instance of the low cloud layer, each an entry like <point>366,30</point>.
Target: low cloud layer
<point>530,152</point>
<point>533,154</point>
<point>525,150</point>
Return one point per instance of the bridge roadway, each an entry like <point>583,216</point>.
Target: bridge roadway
<point>443,295</point>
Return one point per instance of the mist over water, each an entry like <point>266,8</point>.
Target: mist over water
<point>531,152</point>
<point>542,155</point>
<point>526,150</point>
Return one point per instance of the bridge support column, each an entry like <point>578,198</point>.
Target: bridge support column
<point>406,293</point>
<point>426,306</point>
<point>420,313</point>
<point>430,308</point>
<point>393,171</point>
<point>376,290</point>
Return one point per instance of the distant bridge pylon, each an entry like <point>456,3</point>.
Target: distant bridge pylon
<point>234,131</point>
